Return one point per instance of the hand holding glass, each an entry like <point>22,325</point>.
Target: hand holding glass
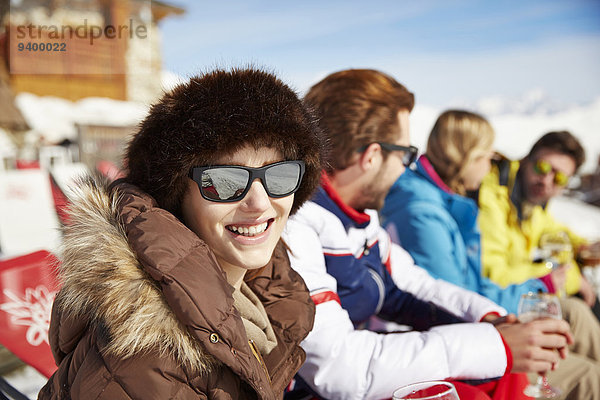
<point>531,307</point>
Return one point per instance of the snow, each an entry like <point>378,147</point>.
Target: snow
<point>7,147</point>
<point>55,119</point>
<point>169,80</point>
<point>28,220</point>
<point>516,133</point>
<point>519,122</point>
<point>582,218</point>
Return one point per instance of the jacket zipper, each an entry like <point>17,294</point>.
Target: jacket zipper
<point>259,358</point>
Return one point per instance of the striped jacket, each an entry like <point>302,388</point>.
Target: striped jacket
<point>354,273</point>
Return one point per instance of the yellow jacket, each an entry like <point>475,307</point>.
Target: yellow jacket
<point>509,242</point>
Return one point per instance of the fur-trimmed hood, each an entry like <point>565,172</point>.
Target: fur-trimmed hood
<point>139,285</point>
<point>104,283</point>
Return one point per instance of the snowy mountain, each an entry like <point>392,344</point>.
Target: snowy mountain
<point>518,123</point>
<point>532,102</point>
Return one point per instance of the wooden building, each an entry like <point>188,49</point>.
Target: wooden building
<point>120,64</point>
<point>112,51</point>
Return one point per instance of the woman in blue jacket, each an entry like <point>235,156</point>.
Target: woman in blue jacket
<point>429,213</point>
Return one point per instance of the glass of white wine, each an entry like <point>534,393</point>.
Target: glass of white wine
<point>534,306</point>
<point>438,390</point>
<point>557,250</point>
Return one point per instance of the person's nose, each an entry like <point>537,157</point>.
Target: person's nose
<point>257,198</point>
<point>548,179</point>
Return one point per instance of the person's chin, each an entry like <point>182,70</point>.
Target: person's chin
<point>535,196</point>
<point>257,252</point>
<point>538,200</point>
<point>255,260</point>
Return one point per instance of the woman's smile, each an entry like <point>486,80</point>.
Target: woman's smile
<point>242,234</point>
<point>249,230</point>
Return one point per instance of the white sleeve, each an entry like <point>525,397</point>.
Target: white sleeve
<point>461,302</point>
<point>344,363</point>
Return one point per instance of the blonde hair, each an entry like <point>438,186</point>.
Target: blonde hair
<point>457,139</point>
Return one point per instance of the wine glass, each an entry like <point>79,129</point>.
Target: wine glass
<point>438,390</point>
<point>533,306</point>
<point>556,249</point>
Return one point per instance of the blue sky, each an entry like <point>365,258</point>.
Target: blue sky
<point>445,51</point>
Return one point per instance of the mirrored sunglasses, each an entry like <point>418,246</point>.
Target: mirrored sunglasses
<point>409,154</point>
<point>229,183</point>
<point>542,167</point>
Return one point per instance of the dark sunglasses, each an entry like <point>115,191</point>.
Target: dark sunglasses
<point>229,183</point>
<point>543,167</point>
<point>409,156</point>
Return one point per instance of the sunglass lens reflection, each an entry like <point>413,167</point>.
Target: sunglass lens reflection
<point>224,183</point>
<point>230,184</point>
<point>282,179</point>
<point>542,167</point>
<point>561,179</point>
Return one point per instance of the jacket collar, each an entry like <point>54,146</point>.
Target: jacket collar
<point>426,169</point>
<point>463,209</point>
<point>328,198</point>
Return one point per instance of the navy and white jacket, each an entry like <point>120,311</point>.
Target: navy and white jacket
<point>354,272</point>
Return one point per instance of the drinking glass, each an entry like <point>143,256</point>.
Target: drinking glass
<point>438,390</point>
<point>556,249</point>
<point>533,306</point>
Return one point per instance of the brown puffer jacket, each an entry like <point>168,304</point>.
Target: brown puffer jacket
<point>145,312</point>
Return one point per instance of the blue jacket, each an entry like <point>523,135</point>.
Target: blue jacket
<point>439,229</point>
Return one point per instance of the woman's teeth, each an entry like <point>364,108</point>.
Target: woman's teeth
<point>249,230</point>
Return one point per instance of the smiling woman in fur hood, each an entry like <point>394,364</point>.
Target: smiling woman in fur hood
<point>176,284</point>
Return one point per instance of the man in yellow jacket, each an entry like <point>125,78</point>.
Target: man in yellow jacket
<point>513,216</point>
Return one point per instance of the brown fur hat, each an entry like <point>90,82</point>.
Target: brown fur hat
<point>213,115</point>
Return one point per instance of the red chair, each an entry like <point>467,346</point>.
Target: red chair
<point>28,285</point>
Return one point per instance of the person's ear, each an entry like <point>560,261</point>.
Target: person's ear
<point>371,157</point>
